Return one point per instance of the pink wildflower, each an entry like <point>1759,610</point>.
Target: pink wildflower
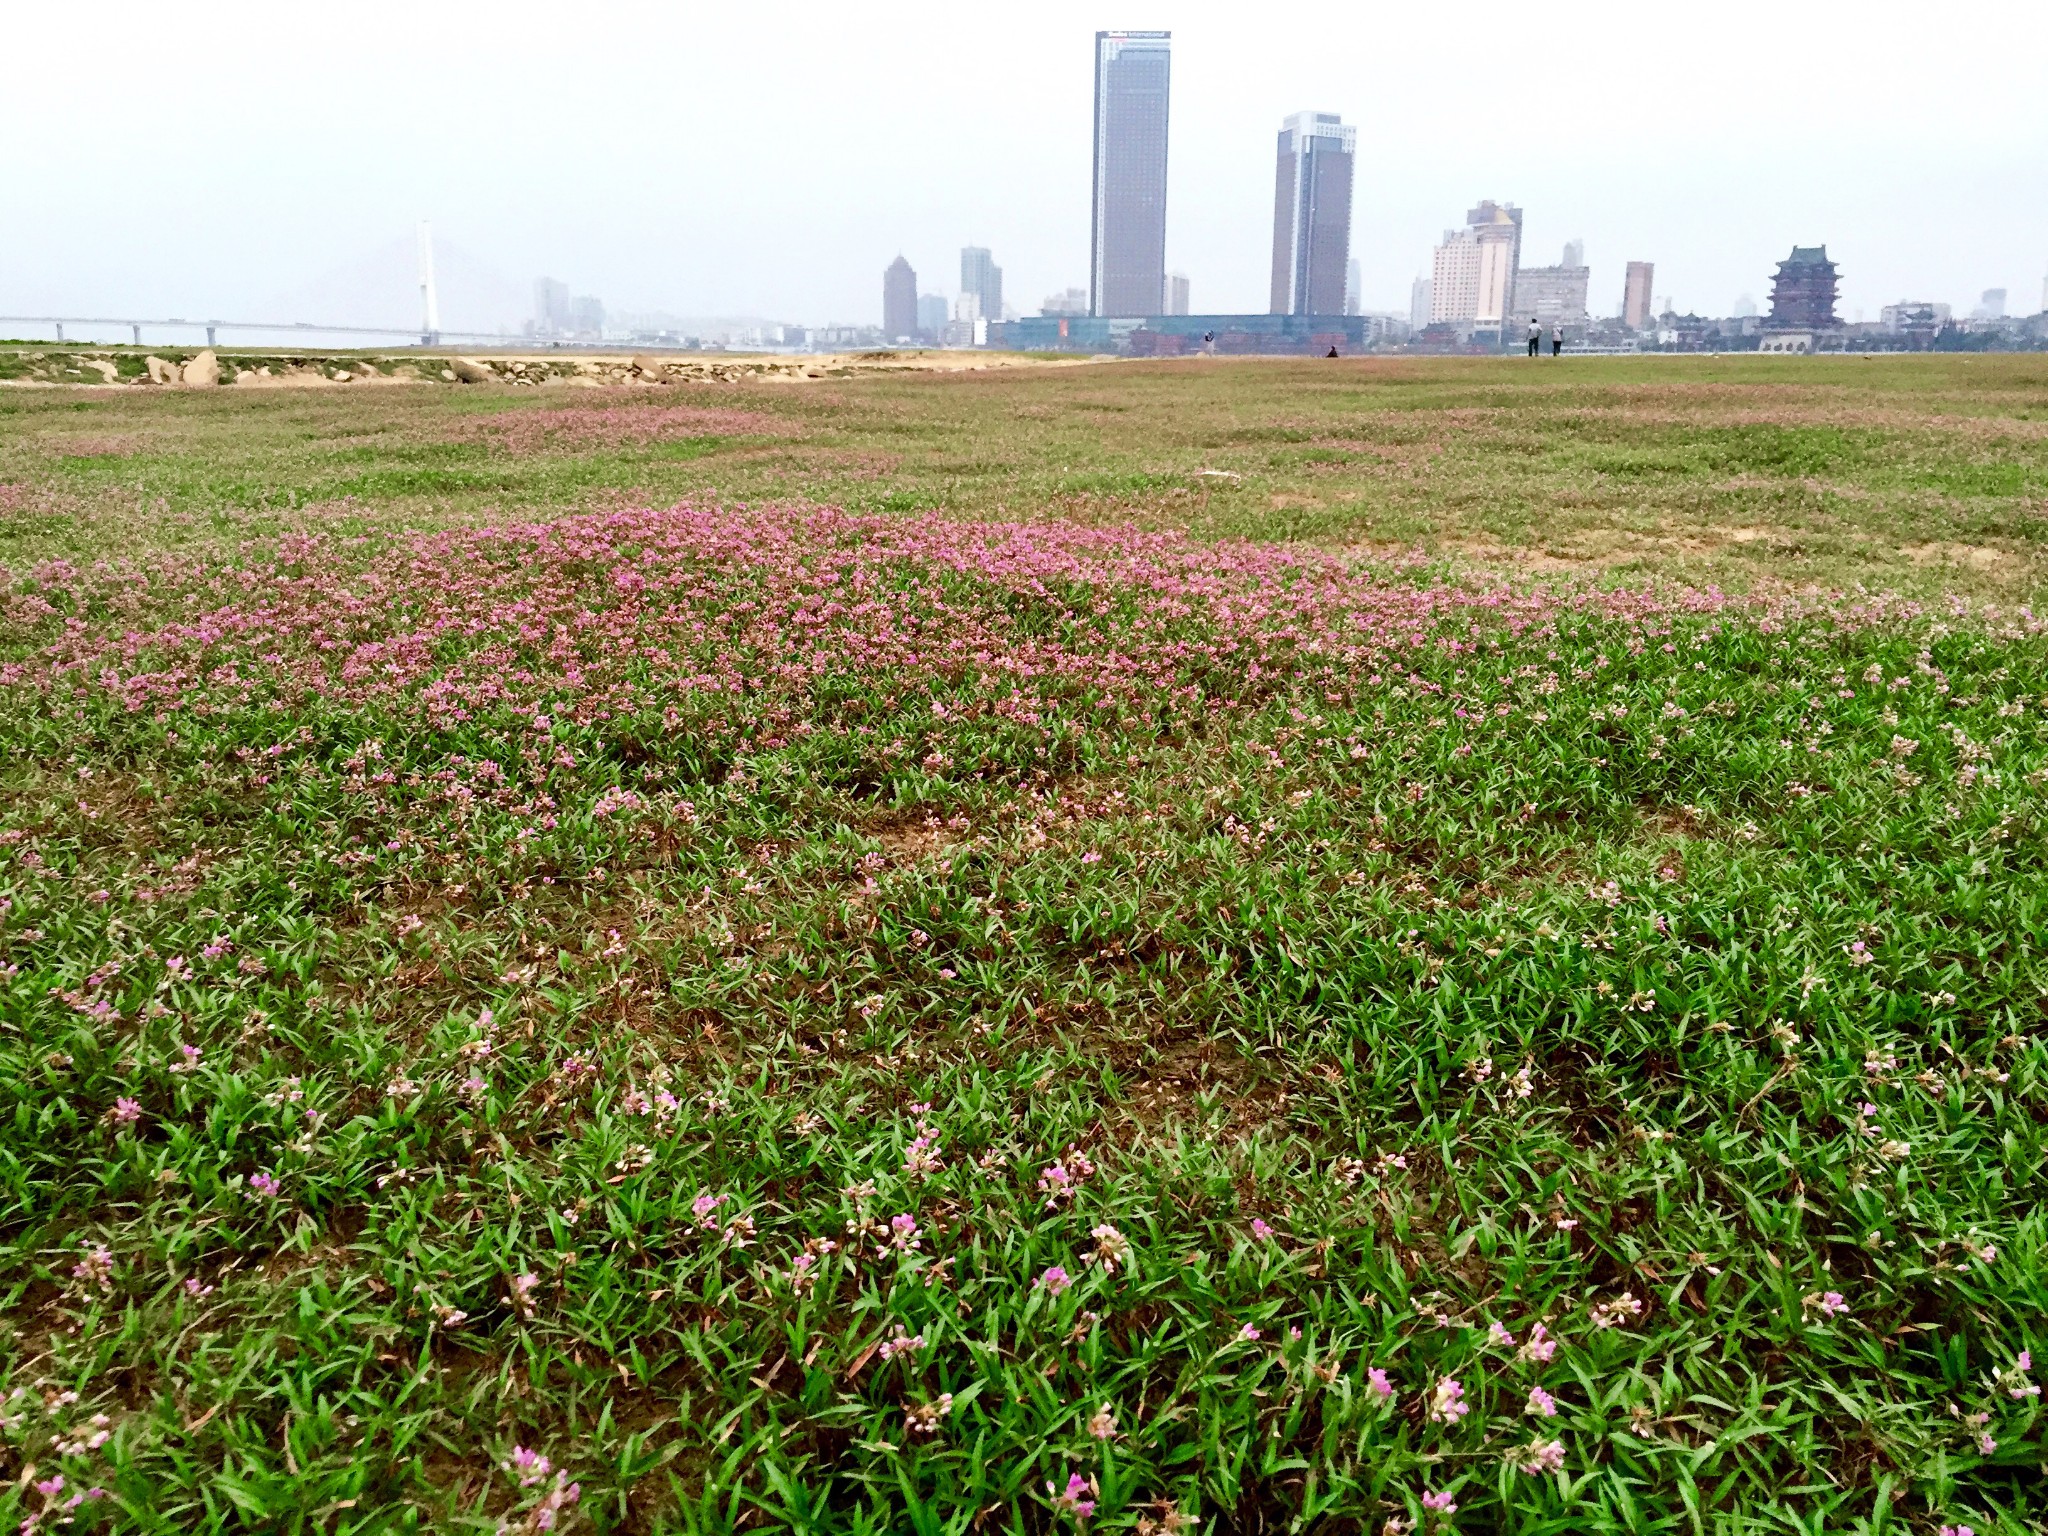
<point>1376,1382</point>
<point>1441,1503</point>
<point>125,1112</point>
<point>1055,1280</point>
<point>1499,1336</point>
<point>1447,1404</point>
<point>1540,1347</point>
<point>521,1289</point>
<point>1541,1404</point>
<point>1075,1500</point>
<point>903,1233</point>
<point>95,1268</point>
<point>1542,1456</point>
<point>1261,1231</point>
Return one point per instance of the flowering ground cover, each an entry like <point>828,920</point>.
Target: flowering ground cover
<point>717,1014</point>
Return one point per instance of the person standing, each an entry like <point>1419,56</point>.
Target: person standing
<point>1556,340</point>
<point>1535,337</point>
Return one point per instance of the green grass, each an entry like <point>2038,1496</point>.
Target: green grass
<point>601,933</point>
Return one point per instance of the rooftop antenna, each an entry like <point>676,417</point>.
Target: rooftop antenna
<point>430,305</point>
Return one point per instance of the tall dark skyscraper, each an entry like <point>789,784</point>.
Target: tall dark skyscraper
<point>1312,214</point>
<point>1128,246</point>
<point>899,301</point>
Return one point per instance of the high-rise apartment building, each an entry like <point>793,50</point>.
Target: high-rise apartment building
<point>980,276</point>
<point>1419,299</point>
<point>1177,293</point>
<point>1637,307</point>
<point>899,301</point>
<point>1554,296</point>
<point>1354,284</point>
<point>1472,281</point>
<point>933,311</point>
<point>1312,214</point>
<point>1127,242</point>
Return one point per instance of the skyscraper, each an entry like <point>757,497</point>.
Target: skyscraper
<point>1354,285</point>
<point>1636,305</point>
<point>1177,293</point>
<point>1312,214</point>
<point>1473,274</point>
<point>1127,242</point>
<point>980,276</point>
<point>1420,293</point>
<point>932,314</point>
<point>550,305</point>
<point>899,301</point>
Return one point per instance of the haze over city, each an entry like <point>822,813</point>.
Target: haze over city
<point>771,161</point>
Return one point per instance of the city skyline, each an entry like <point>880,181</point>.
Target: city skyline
<point>198,213</point>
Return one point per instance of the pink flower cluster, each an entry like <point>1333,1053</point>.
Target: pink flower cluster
<point>686,611</point>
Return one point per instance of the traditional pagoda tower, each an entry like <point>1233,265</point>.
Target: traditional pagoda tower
<point>1803,292</point>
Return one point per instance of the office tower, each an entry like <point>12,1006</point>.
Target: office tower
<point>1354,280</point>
<point>1992,306</point>
<point>1127,238</point>
<point>550,305</point>
<point>1635,295</point>
<point>1745,306</point>
<point>1419,294</point>
<point>1803,291</point>
<point>1177,294</point>
<point>1071,301</point>
<point>1574,253</point>
<point>1554,296</point>
<point>1473,274</point>
<point>933,311</point>
<point>1312,214</point>
<point>980,276</point>
<point>586,316</point>
<point>899,301</point>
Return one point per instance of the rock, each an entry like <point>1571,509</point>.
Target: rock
<point>448,374</point>
<point>469,371</point>
<point>203,372</point>
<point>649,367</point>
<point>105,368</point>
<point>160,372</point>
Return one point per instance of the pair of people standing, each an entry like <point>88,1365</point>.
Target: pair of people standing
<point>1536,339</point>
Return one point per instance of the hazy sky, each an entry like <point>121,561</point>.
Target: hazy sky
<point>770,158</point>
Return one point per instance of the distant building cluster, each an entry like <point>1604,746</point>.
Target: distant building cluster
<point>558,315</point>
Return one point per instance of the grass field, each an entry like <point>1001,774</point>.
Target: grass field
<point>1367,946</point>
